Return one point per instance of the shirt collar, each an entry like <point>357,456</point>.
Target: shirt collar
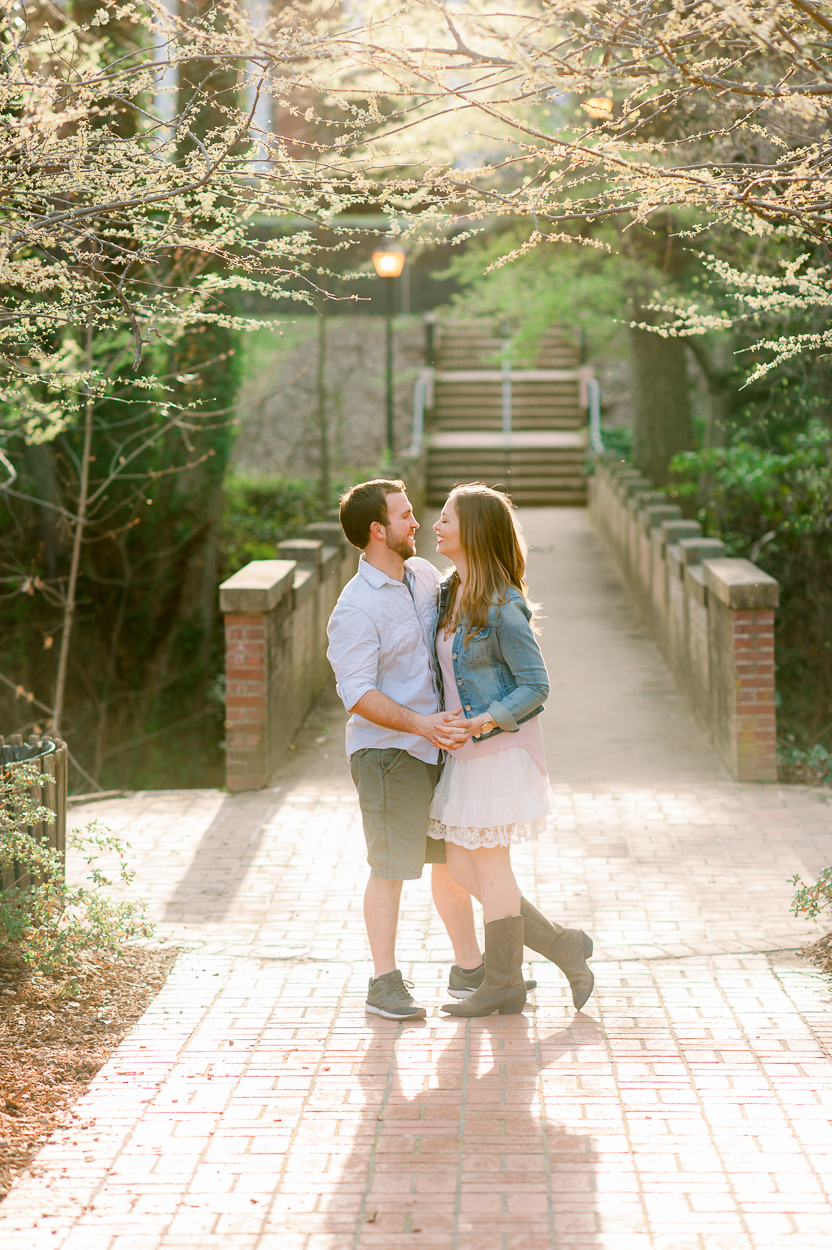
<point>376,577</point>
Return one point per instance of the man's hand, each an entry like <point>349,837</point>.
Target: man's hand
<point>448,730</point>
<point>442,729</point>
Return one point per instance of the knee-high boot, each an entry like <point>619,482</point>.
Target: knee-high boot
<point>503,989</point>
<point>568,948</point>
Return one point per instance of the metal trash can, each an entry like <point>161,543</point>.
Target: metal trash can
<point>51,755</point>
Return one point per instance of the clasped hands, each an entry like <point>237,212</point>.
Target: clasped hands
<point>450,730</point>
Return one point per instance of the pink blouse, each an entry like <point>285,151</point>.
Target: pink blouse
<point>529,735</point>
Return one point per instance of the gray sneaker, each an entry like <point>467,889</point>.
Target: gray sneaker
<point>463,981</point>
<point>389,996</point>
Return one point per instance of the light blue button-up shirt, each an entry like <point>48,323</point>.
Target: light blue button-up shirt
<point>381,638</point>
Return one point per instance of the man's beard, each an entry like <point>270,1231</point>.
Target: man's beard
<point>404,547</point>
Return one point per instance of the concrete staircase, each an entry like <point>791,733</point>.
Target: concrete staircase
<point>520,429</point>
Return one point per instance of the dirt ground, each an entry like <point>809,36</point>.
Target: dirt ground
<point>53,1040</point>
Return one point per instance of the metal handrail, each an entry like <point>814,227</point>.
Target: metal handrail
<point>594,393</point>
<point>422,400</point>
<point>507,403</point>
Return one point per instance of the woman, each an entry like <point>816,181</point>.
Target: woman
<point>494,790</point>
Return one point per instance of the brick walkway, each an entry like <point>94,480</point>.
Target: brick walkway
<point>255,1106</point>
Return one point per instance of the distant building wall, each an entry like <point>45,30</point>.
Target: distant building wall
<point>712,616</point>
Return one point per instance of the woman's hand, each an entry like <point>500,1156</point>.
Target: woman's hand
<point>446,730</point>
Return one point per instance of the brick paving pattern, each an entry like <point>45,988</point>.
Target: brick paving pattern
<point>256,1107</point>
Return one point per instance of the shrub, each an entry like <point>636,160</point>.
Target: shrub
<point>811,768</point>
<point>259,512</point>
<point>773,505</point>
<point>618,439</point>
<point>811,900</point>
<point>46,924</point>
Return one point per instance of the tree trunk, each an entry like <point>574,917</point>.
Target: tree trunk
<point>77,540</point>
<point>717,361</point>
<point>323,427</point>
<point>662,408</point>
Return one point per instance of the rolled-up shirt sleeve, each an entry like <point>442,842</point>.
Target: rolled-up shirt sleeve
<point>353,653</point>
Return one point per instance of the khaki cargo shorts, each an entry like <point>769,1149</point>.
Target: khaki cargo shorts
<point>394,791</point>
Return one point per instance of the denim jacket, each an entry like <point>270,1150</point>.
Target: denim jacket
<point>501,671</point>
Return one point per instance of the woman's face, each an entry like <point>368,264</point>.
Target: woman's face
<point>447,531</point>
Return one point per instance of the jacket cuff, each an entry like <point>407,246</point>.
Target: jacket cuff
<point>501,716</point>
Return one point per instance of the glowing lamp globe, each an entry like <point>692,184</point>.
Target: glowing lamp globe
<point>388,261</point>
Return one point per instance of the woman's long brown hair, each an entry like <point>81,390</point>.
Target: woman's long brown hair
<point>495,553</point>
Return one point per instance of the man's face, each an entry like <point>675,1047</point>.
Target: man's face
<point>402,526</point>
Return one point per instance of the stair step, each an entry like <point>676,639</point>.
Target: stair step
<point>528,499</point>
<point>526,424</point>
<point>468,412</point>
<point>472,455</point>
<point>466,345</point>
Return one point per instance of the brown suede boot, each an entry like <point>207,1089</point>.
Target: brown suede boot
<point>503,989</point>
<point>569,949</point>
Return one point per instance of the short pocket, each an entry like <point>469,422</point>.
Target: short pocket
<point>367,776</point>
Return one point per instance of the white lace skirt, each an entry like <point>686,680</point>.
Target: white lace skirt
<point>494,801</point>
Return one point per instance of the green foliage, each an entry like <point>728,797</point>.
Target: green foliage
<point>618,439</point>
<point>583,286</point>
<point>139,710</point>
<point>259,512</point>
<point>46,924</point>
<point>811,900</point>
<point>812,767</point>
<point>773,504</point>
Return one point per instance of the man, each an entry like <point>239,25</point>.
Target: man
<point>381,649</point>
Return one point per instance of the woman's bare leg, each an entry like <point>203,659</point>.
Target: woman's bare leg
<point>498,890</point>
<point>461,867</point>
<point>453,902</point>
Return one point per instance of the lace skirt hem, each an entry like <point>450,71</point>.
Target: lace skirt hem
<point>494,801</point>
<point>472,839</point>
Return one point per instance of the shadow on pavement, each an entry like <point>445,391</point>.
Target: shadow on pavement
<point>221,861</point>
<point>453,1140</point>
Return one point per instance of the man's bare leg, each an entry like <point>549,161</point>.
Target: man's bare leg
<point>453,902</point>
<point>381,917</point>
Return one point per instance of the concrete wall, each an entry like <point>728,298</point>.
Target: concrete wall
<point>276,613</point>
<point>712,616</point>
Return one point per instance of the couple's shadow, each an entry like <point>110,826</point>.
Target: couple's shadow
<point>458,1138</point>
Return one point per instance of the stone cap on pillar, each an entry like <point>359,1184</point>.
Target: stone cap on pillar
<point>695,550</point>
<point>740,584</point>
<point>628,486</point>
<point>258,587</point>
<point>672,531</point>
<point>329,533</point>
<point>653,515</point>
<point>647,498</point>
<point>304,550</point>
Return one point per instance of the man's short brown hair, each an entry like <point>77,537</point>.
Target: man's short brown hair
<point>365,503</point>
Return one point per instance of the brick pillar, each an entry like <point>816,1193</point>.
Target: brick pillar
<point>251,602</point>
<point>756,716</point>
<point>246,697</point>
<point>741,603</point>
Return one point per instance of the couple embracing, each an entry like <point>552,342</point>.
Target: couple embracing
<point>437,667</point>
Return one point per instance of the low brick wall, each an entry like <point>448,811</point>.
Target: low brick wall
<point>712,616</point>
<point>276,613</point>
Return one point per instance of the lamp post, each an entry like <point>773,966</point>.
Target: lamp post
<point>388,262</point>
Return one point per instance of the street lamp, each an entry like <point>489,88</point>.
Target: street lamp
<point>388,261</point>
